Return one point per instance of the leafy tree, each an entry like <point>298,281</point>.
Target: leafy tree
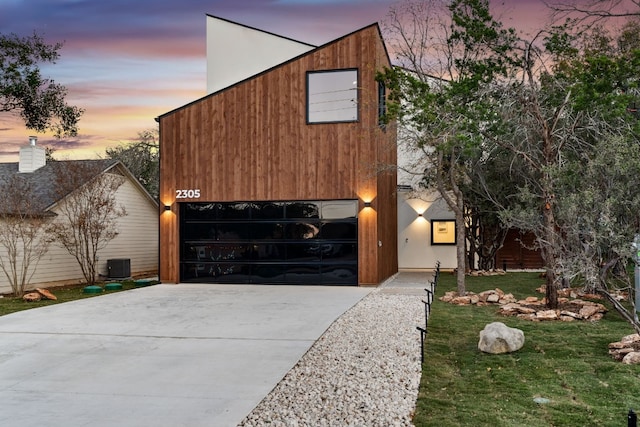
<point>433,100</point>
<point>87,212</point>
<point>23,232</point>
<point>538,111</point>
<point>142,158</point>
<point>40,102</point>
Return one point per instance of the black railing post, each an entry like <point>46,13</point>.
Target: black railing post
<point>427,311</point>
<point>423,332</point>
<point>632,419</point>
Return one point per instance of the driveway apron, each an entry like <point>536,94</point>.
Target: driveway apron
<point>164,355</point>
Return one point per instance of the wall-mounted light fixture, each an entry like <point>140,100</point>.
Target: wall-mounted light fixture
<point>367,204</point>
<point>167,208</point>
<point>420,215</point>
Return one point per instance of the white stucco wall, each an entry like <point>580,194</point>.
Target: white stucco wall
<point>415,250</point>
<point>138,241</point>
<point>236,52</point>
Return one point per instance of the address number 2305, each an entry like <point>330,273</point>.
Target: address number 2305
<point>188,194</point>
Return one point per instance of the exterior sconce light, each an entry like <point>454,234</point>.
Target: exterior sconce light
<point>420,215</point>
<point>367,204</point>
<point>167,208</point>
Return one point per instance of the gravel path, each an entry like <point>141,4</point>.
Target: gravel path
<point>364,370</point>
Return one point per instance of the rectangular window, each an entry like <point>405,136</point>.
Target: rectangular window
<point>443,232</point>
<point>332,96</point>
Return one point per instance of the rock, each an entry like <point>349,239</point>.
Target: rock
<point>493,298</point>
<point>547,315</point>
<point>632,358</point>
<point>448,296</point>
<point>568,313</point>
<point>46,294</point>
<point>630,338</point>
<point>507,298</point>
<point>515,308</point>
<point>475,299</point>
<point>620,354</point>
<point>485,294</point>
<point>595,317</point>
<point>527,316</point>
<point>531,299</point>
<point>510,308</point>
<point>497,338</point>
<point>32,297</point>
<point>466,300</point>
<point>588,311</point>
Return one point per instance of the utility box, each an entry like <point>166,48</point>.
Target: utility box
<point>119,268</point>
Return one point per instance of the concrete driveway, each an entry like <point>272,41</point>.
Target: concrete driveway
<point>164,355</point>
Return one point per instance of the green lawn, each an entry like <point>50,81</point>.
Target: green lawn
<point>70,293</point>
<point>567,363</point>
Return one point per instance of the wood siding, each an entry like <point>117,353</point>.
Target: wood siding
<point>251,142</point>
<point>515,253</point>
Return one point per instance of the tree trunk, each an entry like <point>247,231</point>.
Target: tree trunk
<point>460,252</point>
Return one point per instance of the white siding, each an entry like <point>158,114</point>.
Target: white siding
<point>138,241</point>
<point>236,52</point>
<point>415,250</point>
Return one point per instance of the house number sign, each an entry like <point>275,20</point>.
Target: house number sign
<point>188,194</point>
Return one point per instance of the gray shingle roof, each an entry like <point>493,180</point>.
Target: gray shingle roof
<point>43,180</point>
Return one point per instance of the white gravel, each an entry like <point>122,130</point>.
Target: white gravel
<point>364,370</point>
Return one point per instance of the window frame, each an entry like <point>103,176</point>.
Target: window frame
<point>309,119</point>
<point>444,236</point>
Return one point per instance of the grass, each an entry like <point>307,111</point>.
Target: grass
<point>9,304</point>
<point>565,362</point>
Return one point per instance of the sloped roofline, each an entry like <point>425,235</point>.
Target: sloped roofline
<point>259,30</point>
<point>116,164</point>
<point>123,168</point>
<point>268,70</point>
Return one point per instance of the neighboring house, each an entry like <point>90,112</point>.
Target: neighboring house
<point>137,240</point>
<point>284,173</point>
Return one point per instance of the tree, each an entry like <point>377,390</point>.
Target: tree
<point>40,102</point>
<point>142,158</point>
<point>546,105</point>
<point>87,212</point>
<point>561,119</point>
<point>598,242</point>
<point>594,11</point>
<point>451,61</point>
<point>23,232</point>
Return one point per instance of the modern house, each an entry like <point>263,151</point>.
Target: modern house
<point>285,173</point>
<point>134,251</point>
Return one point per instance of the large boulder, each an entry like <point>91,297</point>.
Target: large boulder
<point>497,338</point>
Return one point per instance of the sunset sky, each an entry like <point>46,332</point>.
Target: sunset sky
<point>126,62</point>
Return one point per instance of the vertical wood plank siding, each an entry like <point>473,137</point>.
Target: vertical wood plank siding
<point>251,142</point>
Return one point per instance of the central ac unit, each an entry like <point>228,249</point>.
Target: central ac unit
<point>119,268</point>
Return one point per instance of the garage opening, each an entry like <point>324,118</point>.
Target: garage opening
<point>272,242</point>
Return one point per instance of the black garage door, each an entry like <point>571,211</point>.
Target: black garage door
<point>293,242</point>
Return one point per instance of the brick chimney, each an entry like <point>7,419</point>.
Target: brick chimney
<point>32,157</point>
